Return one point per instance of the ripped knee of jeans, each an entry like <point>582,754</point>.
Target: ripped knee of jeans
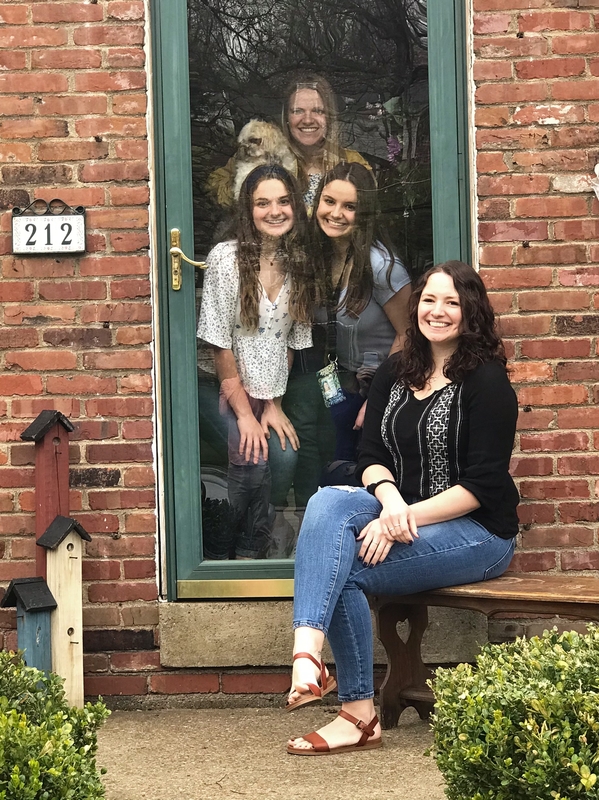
<point>345,488</point>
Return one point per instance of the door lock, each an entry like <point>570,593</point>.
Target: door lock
<point>176,255</point>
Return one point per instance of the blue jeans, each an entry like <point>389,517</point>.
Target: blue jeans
<point>331,583</point>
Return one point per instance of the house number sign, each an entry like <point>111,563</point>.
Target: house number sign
<point>52,227</point>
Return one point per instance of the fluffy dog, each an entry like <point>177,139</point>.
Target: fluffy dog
<point>260,143</point>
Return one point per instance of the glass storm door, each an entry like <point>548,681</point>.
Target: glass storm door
<point>375,85</point>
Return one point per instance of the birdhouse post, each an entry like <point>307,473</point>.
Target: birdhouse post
<point>50,432</point>
<point>64,552</point>
<point>34,603</point>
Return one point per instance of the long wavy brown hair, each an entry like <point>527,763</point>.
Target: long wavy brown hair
<point>293,248</point>
<point>478,342</point>
<point>366,233</point>
<point>330,146</point>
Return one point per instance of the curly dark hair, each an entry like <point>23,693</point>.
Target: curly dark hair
<point>367,232</point>
<point>478,343</point>
<point>293,247</point>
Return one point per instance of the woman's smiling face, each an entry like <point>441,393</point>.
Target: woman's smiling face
<point>272,210</point>
<point>440,310</point>
<point>336,212</point>
<point>307,118</point>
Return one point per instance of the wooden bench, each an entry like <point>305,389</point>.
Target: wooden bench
<point>531,595</point>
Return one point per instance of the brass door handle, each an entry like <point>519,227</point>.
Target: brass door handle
<point>176,255</point>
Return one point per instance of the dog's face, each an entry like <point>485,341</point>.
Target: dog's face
<point>258,139</point>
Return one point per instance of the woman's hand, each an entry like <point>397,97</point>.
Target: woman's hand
<point>274,417</point>
<point>359,423</point>
<point>376,543</point>
<point>397,518</point>
<point>251,438</point>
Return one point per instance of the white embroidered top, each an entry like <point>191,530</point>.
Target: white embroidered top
<point>260,355</point>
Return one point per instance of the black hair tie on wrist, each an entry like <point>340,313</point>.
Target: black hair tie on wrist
<point>371,488</point>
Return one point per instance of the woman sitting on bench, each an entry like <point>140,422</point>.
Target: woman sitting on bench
<point>439,507</point>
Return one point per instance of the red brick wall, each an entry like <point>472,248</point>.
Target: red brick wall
<point>75,332</point>
<point>537,105</point>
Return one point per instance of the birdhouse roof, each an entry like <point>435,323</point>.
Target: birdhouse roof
<point>58,530</point>
<point>46,420</point>
<point>32,593</point>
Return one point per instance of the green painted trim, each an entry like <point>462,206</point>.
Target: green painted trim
<point>448,120</point>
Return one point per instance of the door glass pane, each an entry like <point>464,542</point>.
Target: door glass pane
<point>335,94</point>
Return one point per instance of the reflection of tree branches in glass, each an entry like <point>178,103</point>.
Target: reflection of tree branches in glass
<point>373,52</point>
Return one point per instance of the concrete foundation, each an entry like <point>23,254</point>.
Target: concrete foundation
<point>258,634</point>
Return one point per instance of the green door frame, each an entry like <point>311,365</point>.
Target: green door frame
<point>180,476</point>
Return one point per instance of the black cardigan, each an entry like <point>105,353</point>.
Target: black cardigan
<point>462,434</point>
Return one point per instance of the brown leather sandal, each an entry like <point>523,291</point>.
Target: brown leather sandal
<point>327,684</point>
<point>321,747</point>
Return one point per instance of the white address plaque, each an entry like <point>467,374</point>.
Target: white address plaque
<point>36,233</point>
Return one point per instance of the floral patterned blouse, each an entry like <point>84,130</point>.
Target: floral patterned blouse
<point>260,355</point>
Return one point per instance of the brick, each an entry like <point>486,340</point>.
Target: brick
<point>109,35</point>
<point>14,267</point>
<point>578,418</point>
<point>72,151</point>
<point>141,476</point>
<point>18,569</point>
<point>552,160</point>
<point>582,324</point>
<point>130,195</point>
<point>516,278</point>
<point>131,384</point>
<point>523,466</point>
<point>513,184</point>
<point>550,68</point>
<point>576,90</point>
<point>125,58</point>
<point>14,106</point>
<point>524,326</point>
<point>69,406</point>
<point>554,441</point>
<point>129,242</point>
<point>119,359</point>
<point>579,43</point>
<point>513,93</point>
<point>536,513</point>
<point>548,114</point>
<point>534,419</point>
<point>530,372</point>
<point>119,218</point>
<point>20,385</point>
<point>146,614</point>
<point>140,523</point>
<point>95,476</point>
<point>533,562</point>
<point>570,229</point>
<point>139,569</point>
<point>551,207</point>
<point>126,11</point>
<point>41,360</point>
<point>66,12</point>
<point>100,173</point>
<point>553,301</point>
<point>554,489</point>
<point>491,23</point>
<point>30,36</point>
<point>94,429</point>
<point>579,561</point>
<point>33,128</point>
<point>510,46</point>
<point>129,103</point>
<point>496,255</point>
<point>66,59</point>
<point>23,548</point>
<point>578,465</point>
<point>101,570</point>
<point>257,683</point>
<point>121,592</point>
<point>99,523</point>
<point>13,15</point>
<point>79,338</point>
<point>111,126</point>
<point>512,231</point>
<point>120,407</point>
<point>184,683</point>
<point>578,371</point>
<point>135,335</point>
<point>100,616</point>
<point>502,302</point>
<point>551,254</point>
<point>492,116</point>
<point>121,81</point>
<point>581,276</point>
<point>72,105</point>
<point>38,315</point>
<point>138,429</point>
<point>571,184</point>
<point>553,21</point>
<point>116,312</point>
<point>114,265</point>
<point>15,292</point>
<point>109,685</point>
<point>107,547</point>
<point>579,512</point>
<point>144,660</point>
<point>121,499</point>
<point>73,290</point>
<point>574,137</point>
<point>96,662</point>
<point>494,208</point>
<point>129,289</point>
<point>118,453</point>
<point>571,536</point>
<point>553,395</point>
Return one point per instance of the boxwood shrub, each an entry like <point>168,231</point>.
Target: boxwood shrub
<point>47,748</point>
<point>523,723</point>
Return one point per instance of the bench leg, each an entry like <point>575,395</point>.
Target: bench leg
<point>405,681</point>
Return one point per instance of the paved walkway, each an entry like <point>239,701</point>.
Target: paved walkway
<point>235,753</point>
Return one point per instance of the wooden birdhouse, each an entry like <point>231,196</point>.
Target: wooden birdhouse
<point>62,541</point>
<point>34,603</point>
